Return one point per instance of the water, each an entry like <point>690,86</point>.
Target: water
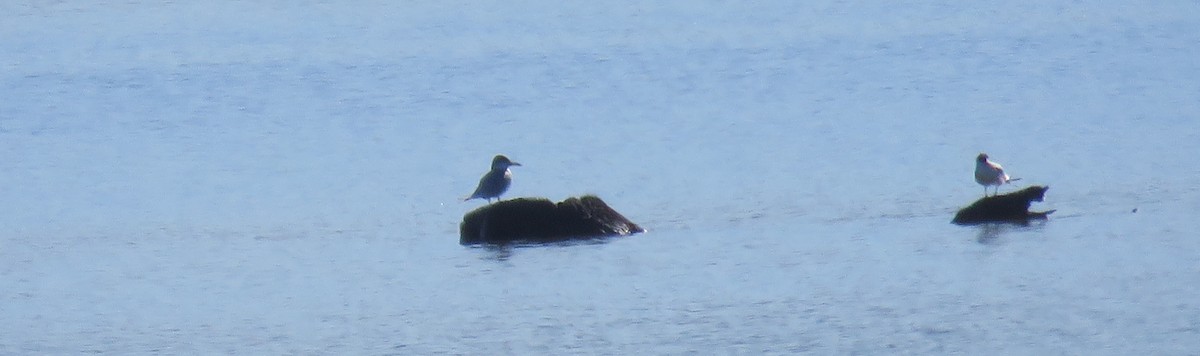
<point>284,178</point>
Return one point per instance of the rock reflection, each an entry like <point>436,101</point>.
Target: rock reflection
<point>989,234</point>
<point>992,233</point>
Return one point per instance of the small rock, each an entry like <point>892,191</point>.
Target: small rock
<point>1011,207</point>
<point>537,220</point>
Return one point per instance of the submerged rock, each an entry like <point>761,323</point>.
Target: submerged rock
<point>1011,207</point>
<point>538,220</point>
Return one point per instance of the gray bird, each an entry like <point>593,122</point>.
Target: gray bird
<point>496,181</point>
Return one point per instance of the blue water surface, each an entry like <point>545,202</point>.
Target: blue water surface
<point>285,178</point>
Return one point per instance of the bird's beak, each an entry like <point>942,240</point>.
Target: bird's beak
<point>514,164</point>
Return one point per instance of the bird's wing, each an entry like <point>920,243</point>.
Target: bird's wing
<point>1001,175</point>
<point>478,188</point>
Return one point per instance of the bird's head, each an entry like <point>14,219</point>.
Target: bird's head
<point>983,157</point>
<point>502,162</point>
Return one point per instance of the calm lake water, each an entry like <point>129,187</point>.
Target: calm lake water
<point>279,178</point>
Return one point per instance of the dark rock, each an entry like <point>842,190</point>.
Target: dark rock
<point>1011,207</point>
<point>537,220</point>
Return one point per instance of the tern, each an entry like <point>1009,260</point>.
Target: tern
<point>496,181</point>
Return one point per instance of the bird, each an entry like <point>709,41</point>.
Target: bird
<point>988,173</point>
<point>495,181</point>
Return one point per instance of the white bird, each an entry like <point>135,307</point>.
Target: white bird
<point>988,173</point>
<point>496,181</point>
